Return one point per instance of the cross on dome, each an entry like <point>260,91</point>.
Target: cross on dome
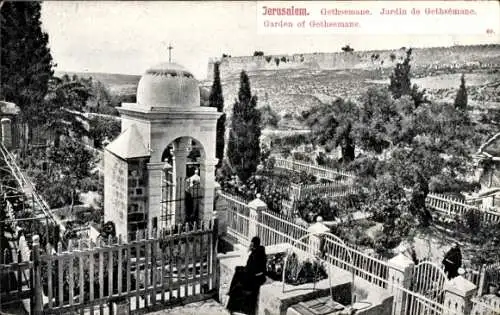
<point>170,47</point>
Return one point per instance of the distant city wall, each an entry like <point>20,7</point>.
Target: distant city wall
<point>422,57</point>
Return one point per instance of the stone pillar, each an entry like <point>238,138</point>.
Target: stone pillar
<point>220,210</point>
<point>180,153</point>
<point>317,230</point>
<point>179,159</point>
<point>207,182</point>
<point>121,307</point>
<point>256,207</point>
<point>6,133</point>
<point>400,276</point>
<point>457,296</point>
<point>296,195</point>
<point>154,193</point>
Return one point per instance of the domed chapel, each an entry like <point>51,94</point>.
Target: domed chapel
<point>146,183</point>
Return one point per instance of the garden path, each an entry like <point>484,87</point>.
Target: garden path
<point>204,307</point>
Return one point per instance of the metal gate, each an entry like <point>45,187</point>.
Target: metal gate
<point>427,288</point>
<point>181,199</point>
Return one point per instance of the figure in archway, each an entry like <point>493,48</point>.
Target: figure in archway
<point>192,195</point>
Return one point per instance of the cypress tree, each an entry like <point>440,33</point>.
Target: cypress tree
<point>400,79</point>
<point>216,99</point>
<point>400,83</point>
<point>26,62</point>
<point>243,149</point>
<point>461,98</point>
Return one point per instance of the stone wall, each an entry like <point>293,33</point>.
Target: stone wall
<point>231,66</point>
<point>115,192</point>
<point>137,192</point>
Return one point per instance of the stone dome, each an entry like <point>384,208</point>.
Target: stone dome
<point>168,85</point>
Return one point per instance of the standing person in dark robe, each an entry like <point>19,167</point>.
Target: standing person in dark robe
<point>244,290</point>
<point>453,261</point>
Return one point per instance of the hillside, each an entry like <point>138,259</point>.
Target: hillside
<point>289,89</point>
<point>118,84</point>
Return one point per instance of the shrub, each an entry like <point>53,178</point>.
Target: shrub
<point>473,220</point>
<point>301,156</point>
<point>365,240</point>
<point>102,128</point>
<point>296,272</point>
<point>311,207</point>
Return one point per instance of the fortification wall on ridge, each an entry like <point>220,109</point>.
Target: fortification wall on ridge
<point>422,57</point>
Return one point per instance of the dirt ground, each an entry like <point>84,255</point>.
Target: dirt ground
<point>209,307</point>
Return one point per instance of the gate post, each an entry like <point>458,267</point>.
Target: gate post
<point>316,238</point>
<point>295,196</point>
<point>256,207</point>
<point>6,132</point>
<point>207,181</point>
<point>215,258</point>
<point>220,209</point>
<point>36,281</point>
<point>400,276</point>
<point>457,296</point>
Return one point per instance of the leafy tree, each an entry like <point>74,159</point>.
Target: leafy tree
<point>389,206</point>
<point>244,147</point>
<point>71,164</point>
<point>379,122</point>
<point>102,128</point>
<point>216,100</point>
<point>269,118</point>
<point>331,126</point>
<point>64,103</point>
<point>417,203</point>
<point>26,61</point>
<point>101,100</point>
<point>347,48</point>
<point>461,98</point>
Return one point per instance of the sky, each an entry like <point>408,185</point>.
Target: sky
<point>128,37</point>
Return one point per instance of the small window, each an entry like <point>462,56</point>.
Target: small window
<point>155,223</point>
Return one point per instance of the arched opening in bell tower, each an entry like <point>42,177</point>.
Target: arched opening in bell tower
<point>182,192</point>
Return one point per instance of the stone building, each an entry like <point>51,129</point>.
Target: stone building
<point>146,186</point>
<point>488,173</point>
<point>11,129</point>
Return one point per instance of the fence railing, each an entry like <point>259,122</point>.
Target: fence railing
<point>274,229</point>
<point>172,267</point>
<point>485,306</point>
<point>451,207</point>
<point>446,206</point>
<point>318,171</point>
<point>39,204</point>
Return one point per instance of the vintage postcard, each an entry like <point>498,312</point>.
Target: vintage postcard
<point>250,157</point>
